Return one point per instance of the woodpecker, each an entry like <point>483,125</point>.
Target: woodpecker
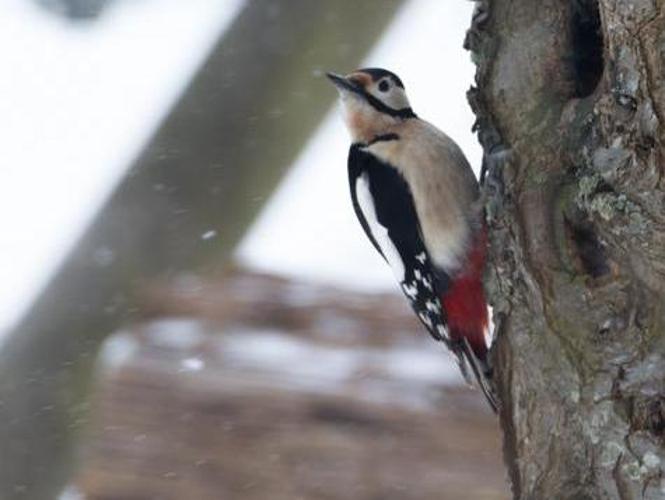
<point>417,200</point>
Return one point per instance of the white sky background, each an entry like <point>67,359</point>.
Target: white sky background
<point>77,103</point>
<point>308,229</point>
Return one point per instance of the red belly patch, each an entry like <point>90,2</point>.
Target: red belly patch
<point>465,302</point>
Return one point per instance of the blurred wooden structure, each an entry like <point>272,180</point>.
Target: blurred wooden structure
<point>260,388</point>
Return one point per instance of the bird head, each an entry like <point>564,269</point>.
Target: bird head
<point>374,101</point>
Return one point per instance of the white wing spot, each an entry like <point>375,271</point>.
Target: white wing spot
<point>421,257</point>
<point>411,291</point>
<point>379,231</point>
<point>442,331</point>
<point>432,306</point>
<point>418,274</point>
<point>426,319</point>
<point>428,284</point>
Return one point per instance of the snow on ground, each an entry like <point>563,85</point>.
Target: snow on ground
<point>402,373</point>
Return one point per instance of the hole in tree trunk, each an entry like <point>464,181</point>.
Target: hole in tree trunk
<point>590,253</point>
<point>587,49</point>
<point>649,414</point>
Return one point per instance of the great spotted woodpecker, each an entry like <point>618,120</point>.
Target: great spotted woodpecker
<point>416,197</point>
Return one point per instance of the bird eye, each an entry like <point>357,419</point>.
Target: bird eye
<point>384,86</point>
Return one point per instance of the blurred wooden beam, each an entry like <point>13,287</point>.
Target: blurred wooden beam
<point>210,167</point>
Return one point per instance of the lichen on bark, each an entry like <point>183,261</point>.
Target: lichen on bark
<point>569,99</point>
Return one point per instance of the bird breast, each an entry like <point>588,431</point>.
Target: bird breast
<point>443,187</point>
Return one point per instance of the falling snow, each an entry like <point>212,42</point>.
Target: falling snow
<point>208,235</point>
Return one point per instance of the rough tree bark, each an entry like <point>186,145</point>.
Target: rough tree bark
<point>570,101</point>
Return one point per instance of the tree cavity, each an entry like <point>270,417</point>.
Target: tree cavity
<point>587,47</point>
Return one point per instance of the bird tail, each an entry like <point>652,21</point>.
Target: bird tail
<point>475,369</point>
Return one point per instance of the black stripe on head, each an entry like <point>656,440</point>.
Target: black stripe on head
<point>352,86</point>
<point>378,73</point>
<point>403,113</point>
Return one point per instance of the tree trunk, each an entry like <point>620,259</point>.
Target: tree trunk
<point>570,98</point>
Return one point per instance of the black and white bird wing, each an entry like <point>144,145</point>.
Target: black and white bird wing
<point>384,205</point>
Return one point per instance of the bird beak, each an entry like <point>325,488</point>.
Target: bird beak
<point>343,83</point>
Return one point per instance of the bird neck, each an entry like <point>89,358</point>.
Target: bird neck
<point>365,123</point>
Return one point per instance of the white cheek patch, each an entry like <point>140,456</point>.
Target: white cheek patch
<point>379,232</point>
<point>395,98</point>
